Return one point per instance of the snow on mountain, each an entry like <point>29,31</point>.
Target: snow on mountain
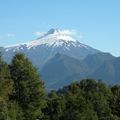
<point>55,41</point>
<point>54,38</point>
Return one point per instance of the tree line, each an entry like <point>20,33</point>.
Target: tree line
<point>23,96</point>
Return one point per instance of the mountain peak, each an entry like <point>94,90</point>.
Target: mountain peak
<point>55,31</point>
<point>54,37</point>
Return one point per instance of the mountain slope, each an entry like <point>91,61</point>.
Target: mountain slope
<point>62,70</point>
<point>109,72</point>
<point>61,59</point>
<point>61,67</point>
<point>96,60</point>
<point>44,48</point>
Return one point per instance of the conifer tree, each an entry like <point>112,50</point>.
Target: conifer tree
<point>28,87</point>
<point>89,114</point>
<point>6,86</point>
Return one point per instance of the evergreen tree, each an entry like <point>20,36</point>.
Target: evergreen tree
<point>6,87</point>
<point>15,112</point>
<point>97,94</point>
<point>75,103</point>
<point>55,107</point>
<point>115,100</point>
<point>89,114</point>
<point>6,83</point>
<point>28,87</point>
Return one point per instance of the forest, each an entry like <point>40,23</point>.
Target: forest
<point>23,96</point>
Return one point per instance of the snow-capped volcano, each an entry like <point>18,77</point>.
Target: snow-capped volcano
<point>60,59</point>
<point>53,37</point>
<point>40,50</point>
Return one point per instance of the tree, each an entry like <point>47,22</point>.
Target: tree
<point>6,87</point>
<point>15,112</point>
<point>89,114</point>
<point>75,103</point>
<point>28,87</point>
<point>115,100</point>
<point>6,83</point>
<point>55,109</point>
<point>97,94</point>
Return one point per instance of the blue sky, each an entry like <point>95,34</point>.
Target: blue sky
<point>97,21</point>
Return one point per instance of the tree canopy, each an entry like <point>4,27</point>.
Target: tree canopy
<point>23,96</point>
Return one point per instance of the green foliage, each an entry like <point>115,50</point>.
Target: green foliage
<point>55,107</point>
<point>3,109</point>
<point>87,100</point>
<point>89,114</point>
<point>22,96</point>
<point>6,87</point>
<point>97,94</point>
<point>28,87</point>
<point>6,83</point>
<point>115,100</point>
<point>15,112</point>
<point>75,103</point>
